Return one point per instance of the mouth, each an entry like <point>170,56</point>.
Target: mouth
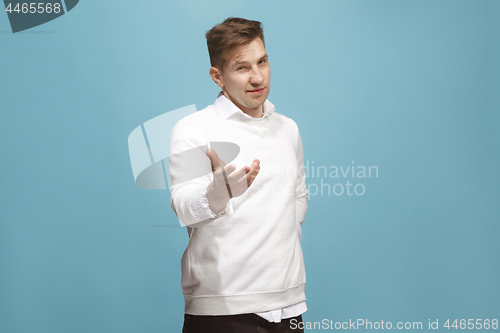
<point>257,91</point>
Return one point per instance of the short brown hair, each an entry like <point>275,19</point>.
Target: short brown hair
<point>225,37</point>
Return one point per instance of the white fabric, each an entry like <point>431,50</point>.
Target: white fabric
<point>226,267</point>
<point>275,316</point>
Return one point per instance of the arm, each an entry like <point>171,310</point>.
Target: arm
<point>191,173</point>
<point>301,190</point>
<point>202,185</point>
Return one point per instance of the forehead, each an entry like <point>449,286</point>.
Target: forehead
<point>249,52</point>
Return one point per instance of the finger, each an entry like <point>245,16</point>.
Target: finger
<point>237,175</point>
<point>250,177</point>
<point>237,181</point>
<point>215,161</point>
<point>225,171</point>
<point>255,163</point>
<point>236,187</point>
<point>254,167</point>
<point>230,169</point>
<point>247,180</point>
<point>209,154</point>
<point>244,183</point>
<point>219,175</point>
<point>253,172</point>
<point>227,183</point>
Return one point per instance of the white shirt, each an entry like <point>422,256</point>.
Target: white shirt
<point>192,206</point>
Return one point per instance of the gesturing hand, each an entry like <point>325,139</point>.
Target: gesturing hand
<point>227,182</point>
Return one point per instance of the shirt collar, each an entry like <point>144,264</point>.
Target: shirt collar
<point>225,108</point>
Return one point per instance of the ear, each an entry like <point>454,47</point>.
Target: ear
<point>215,74</point>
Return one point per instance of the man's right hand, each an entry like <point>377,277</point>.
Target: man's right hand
<point>227,182</point>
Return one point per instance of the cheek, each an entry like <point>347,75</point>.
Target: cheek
<point>235,83</point>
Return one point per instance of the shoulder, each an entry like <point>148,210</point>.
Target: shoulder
<point>195,121</point>
<point>287,121</point>
<point>199,116</point>
<point>189,132</point>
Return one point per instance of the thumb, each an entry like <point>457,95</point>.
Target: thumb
<point>215,161</point>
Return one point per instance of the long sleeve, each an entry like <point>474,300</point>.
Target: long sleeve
<point>191,173</point>
<point>301,190</point>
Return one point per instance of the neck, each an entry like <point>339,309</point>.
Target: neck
<point>257,112</point>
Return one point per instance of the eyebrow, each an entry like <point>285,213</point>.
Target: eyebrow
<point>239,62</point>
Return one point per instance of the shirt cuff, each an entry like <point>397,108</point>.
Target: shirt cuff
<point>200,209</point>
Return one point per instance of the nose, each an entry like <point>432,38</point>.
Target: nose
<point>256,77</point>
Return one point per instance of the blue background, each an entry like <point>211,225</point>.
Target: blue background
<point>411,87</point>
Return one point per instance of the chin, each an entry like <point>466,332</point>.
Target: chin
<point>259,103</point>
<point>261,99</point>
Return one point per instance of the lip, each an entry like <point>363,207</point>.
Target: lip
<point>257,91</point>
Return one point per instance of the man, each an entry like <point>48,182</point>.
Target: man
<point>243,269</point>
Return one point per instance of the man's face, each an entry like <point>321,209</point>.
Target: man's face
<point>246,77</point>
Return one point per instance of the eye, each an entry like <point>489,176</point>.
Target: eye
<point>240,68</point>
<point>262,61</point>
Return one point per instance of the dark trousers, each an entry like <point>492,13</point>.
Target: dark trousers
<point>243,323</point>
